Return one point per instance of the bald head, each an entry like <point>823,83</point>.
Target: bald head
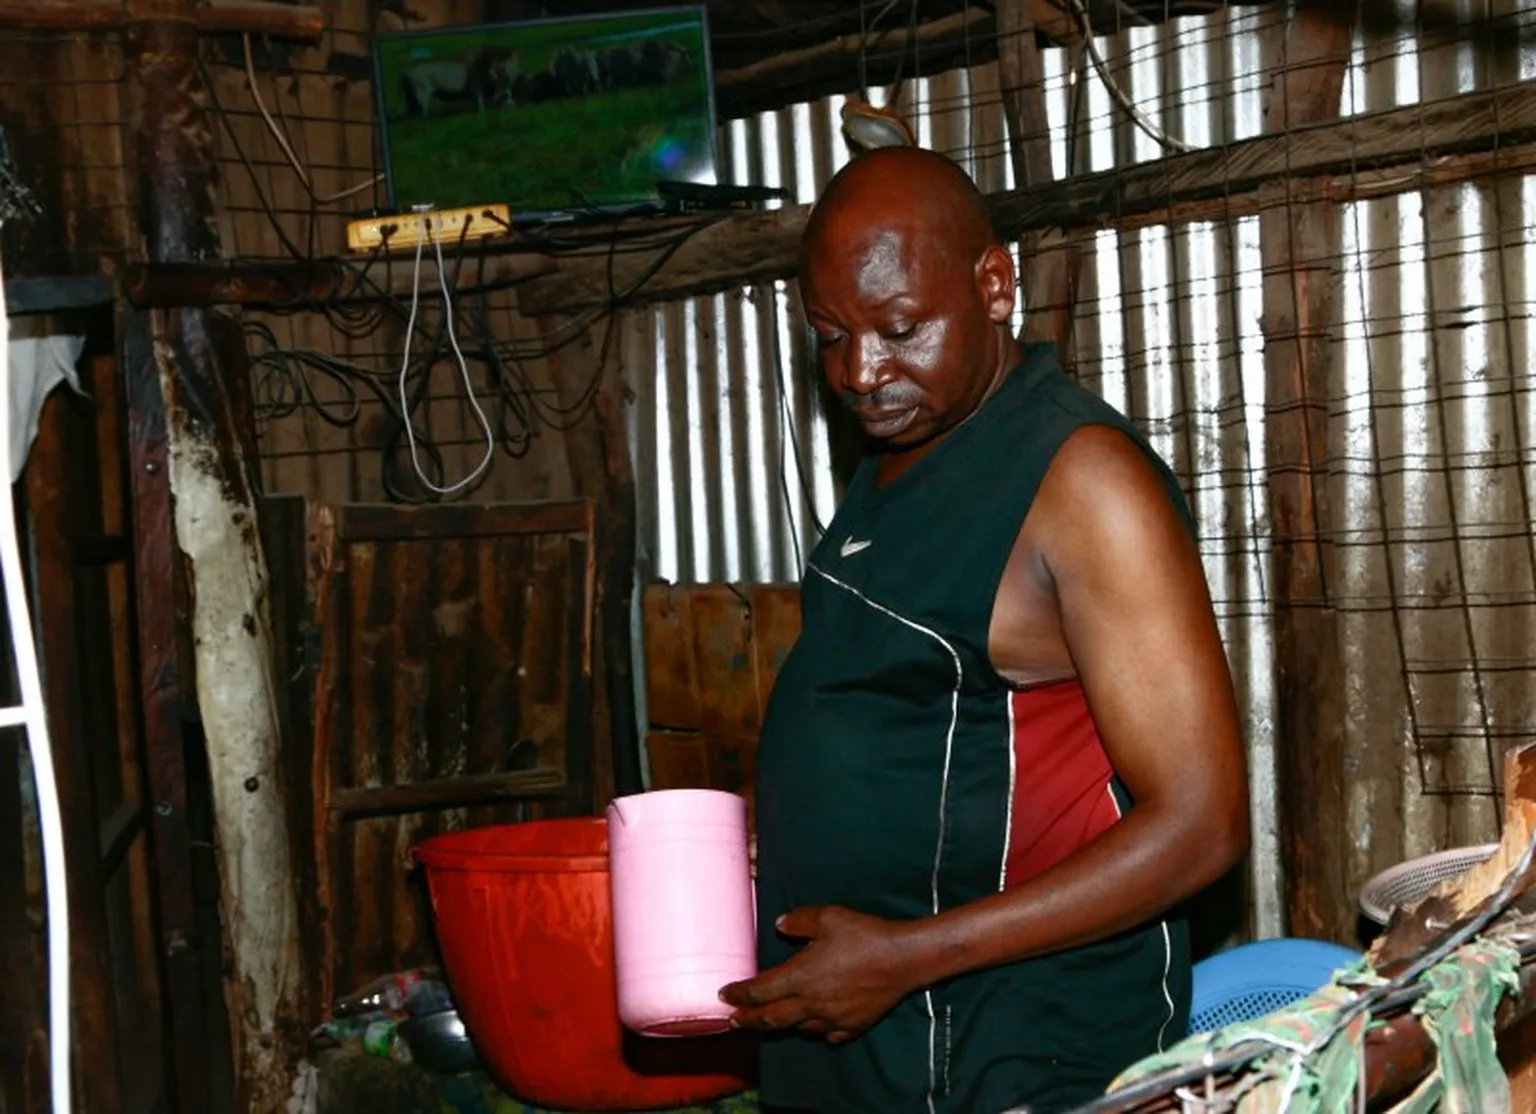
<point>910,294</point>
<point>921,193</point>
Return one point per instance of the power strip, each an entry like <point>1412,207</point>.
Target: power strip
<point>401,231</point>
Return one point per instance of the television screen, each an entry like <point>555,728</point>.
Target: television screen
<point>547,116</point>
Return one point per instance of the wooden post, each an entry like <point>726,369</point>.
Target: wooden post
<point>1051,261</point>
<point>597,449</point>
<point>213,520</point>
<point>1301,247</point>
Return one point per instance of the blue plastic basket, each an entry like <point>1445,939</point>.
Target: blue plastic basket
<point>1253,980</point>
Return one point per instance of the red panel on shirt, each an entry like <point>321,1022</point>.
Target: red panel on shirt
<point>1061,782</point>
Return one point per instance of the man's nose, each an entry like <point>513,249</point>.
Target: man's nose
<point>868,370</point>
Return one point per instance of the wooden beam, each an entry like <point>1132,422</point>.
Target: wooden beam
<point>253,17</point>
<point>1367,185</point>
<point>831,67</point>
<point>1470,123</point>
<point>448,792</point>
<point>762,246</point>
<point>284,283</point>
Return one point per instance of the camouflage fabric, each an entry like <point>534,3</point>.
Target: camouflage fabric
<point>1458,1012</point>
<point>1313,1065</point>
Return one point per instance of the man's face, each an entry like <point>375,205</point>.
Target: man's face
<point>907,330</point>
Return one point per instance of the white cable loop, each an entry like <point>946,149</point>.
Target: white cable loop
<point>453,340</point>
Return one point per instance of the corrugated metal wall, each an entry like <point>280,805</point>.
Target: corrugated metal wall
<point>1431,449</point>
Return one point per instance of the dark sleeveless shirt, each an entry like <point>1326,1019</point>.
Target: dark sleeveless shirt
<point>899,774</point>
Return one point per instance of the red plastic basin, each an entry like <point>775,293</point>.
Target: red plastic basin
<point>524,924</point>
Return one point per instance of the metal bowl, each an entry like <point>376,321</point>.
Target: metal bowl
<point>439,1042</point>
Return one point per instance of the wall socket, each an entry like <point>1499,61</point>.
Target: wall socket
<point>403,231</point>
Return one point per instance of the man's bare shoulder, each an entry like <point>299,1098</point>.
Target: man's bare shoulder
<point>1101,493</point>
<point>1101,521</point>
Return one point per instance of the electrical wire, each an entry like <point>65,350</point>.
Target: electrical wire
<point>287,148</point>
<point>283,385</point>
<point>786,422</point>
<point>469,386</point>
<point>1138,117</point>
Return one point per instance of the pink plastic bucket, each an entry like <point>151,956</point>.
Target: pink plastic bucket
<point>684,913</point>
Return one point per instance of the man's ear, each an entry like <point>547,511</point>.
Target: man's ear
<point>997,283</point>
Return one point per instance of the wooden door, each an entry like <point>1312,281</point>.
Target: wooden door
<point>451,654</point>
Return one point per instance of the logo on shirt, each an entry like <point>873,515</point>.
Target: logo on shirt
<point>850,547</point>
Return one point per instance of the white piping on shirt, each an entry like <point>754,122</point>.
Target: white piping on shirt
<point>949,746</point>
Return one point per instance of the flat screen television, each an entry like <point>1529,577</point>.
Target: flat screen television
<point>549,117</point>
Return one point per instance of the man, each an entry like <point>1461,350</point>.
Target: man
<point>1006,745</point>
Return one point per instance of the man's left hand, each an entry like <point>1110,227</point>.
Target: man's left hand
<point>853,969</point>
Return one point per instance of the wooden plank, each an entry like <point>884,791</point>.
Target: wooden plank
<point>692,760</point>
<point>759,247</point>
<point>284,524</point>
<point>326,648</point>
<point>724,660</point>
<point>775,627</point>
<point>386,522</point>
<point>671,680</point>
<point>51,479</point>
<point>447,792</point>
<point>580,760</point>
<point>412,599</point>
<point>252,17</point>
<point>678,759</point>
<point>164,688</point>
<point>495,687</point>
<point>144,1059</point>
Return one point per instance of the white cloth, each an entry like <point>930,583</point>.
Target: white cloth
<point>38,364</point>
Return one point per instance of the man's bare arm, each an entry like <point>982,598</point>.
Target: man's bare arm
<point>1137,621</point>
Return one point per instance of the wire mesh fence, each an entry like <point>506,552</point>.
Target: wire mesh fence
<point>1423,480</point>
